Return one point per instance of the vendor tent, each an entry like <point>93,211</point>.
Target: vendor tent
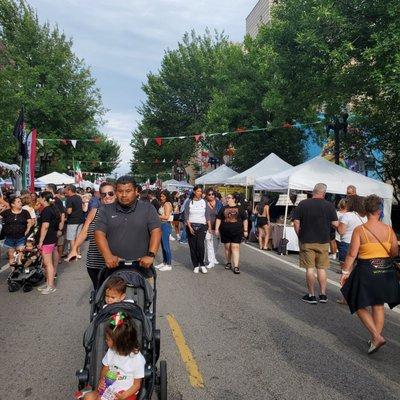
<point>306,175</point>
<point>173,184</point>
<point>271,164</point>
<point>216,177</point>
<point>9,167</point>
<point>57,178</point>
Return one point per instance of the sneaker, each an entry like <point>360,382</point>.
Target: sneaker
<point>196,270</point>
<point>171,238</point>
<point>211,265</point>
<point>309,299</point>
<point>78,256</point>
<point>203,269</point>
<point>216,262</point>
<point>178,237</point>
<point>48,290</point>
<point>166,267</point>
<point>42,287</point>
<point>159,266</point>
<point>332,256</point>
<point>323,298</point>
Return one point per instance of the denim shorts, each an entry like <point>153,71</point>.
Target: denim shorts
<point>14,243</point>
<point>343,250</point>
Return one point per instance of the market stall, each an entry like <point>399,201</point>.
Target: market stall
<point>216,177</point>
<point>305,176</point>
<point>57,178</point>
<point>172,185</point>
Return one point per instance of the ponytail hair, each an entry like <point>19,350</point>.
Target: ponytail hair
<point>49,197</point>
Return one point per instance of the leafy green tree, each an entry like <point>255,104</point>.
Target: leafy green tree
<point>178,98</point>
<point>39,71</point>
<point>324,55</point>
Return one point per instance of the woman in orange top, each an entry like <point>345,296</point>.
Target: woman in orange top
<point>372,282</point>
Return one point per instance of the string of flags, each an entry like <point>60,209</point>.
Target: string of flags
<point>72,142</point>
<point>200,136</point>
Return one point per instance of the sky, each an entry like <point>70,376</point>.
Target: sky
<point>122,40</point>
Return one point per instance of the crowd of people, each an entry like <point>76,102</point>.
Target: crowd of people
<point>64,218</point>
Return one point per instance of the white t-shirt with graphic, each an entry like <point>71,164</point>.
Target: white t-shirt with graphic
<point>127,368</point>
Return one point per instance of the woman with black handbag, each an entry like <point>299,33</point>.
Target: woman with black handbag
<point>372,282</point>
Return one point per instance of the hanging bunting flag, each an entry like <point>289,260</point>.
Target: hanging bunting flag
<point>40,141</point>
<point>181,137</point>
<point>63,141</point>
<point>73,142</point>
<point>163,160</point>
<point>197,138</point>
<point>97,139</point>
<point>101,163</point>
<point>159,140</point>
<point>225,133</point>
<point>145,140</point>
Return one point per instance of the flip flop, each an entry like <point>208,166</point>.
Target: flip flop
<point>236,270</point>
<point>374,348</point>
<point>228,266</point>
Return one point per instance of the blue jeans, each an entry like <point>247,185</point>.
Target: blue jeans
<point>166,248</point>
<point>183,235</point>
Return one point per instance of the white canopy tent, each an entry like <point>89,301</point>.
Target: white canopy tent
<point>173,184</point>
<point>57,179</point>
<point>271,164</point>
<point>217,176</point>
<point>306,175</point>
<point>9,167</point>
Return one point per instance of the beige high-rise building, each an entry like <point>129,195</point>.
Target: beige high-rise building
<point>259,15</point>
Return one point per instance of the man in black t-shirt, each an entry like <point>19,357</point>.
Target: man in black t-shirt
<point>312,220</point>
<point>74,215</point>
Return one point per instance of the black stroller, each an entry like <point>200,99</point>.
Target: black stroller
<point>28,273</point>
<point>140,304</point>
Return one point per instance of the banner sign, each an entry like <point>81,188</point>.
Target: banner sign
<point>31,161</point>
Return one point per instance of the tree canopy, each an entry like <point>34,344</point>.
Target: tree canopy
<point>38,70</point>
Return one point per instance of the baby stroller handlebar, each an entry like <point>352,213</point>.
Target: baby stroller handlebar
<point>135,264</point>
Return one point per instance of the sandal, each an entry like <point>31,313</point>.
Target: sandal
<point>236,270</point>
<point>228,266</point>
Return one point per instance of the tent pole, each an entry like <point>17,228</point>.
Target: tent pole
<point>286,213</point>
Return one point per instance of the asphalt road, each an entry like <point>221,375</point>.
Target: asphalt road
<point>250,336</point>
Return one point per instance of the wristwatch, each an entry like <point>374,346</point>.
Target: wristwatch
<point>151,254</point>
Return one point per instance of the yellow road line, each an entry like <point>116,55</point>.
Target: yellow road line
<point>195,377</point>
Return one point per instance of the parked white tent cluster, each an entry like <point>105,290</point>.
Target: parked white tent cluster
<point>305,176</point>
<point>217,176</point>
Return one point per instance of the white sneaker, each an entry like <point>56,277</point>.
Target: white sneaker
<point>159,266</point>
<point>178,237</point>
<point>216,262</point>
<point>166,267</point>
<point>42,287</point>
<point>171,238</point>
<point>332,256</point>
<point>203,270</point>
<point>210,265</point>
<point>48,290</point>
<point>196,270</point>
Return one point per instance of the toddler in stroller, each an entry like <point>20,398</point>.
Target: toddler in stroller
<point>27,269</point>
<point>125,290</point>
<point>123,365</point>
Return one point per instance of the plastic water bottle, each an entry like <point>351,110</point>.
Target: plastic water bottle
<point>109,379</point>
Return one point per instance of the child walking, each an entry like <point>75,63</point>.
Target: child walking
<point>123,360</point>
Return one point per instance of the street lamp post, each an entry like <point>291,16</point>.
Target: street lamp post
<point>339,127</point>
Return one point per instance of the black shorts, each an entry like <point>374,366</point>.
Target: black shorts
<point>231,235</point>
<point>262,221</point>
<point>176,217</point>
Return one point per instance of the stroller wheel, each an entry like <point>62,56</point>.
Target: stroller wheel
<point>37,278</point>
<point>13,286</point>
<point>27,287</point>
<point>163,380</point>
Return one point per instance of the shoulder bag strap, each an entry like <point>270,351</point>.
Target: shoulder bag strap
<point>373,234</point>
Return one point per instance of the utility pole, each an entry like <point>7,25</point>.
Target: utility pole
<point>339,128</point>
